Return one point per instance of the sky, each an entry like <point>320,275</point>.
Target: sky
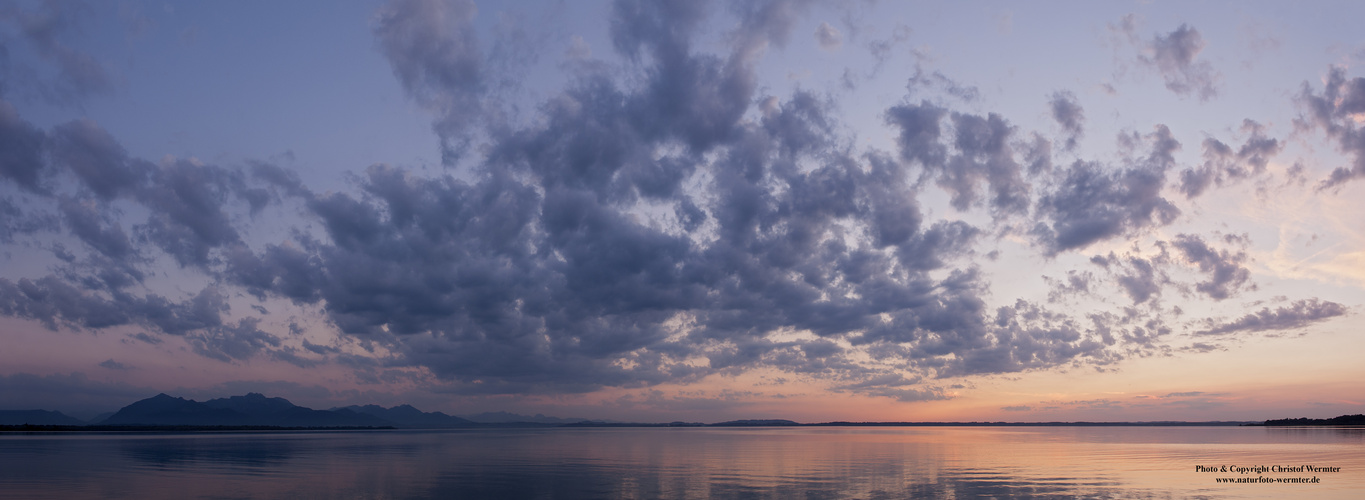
<point>682,210</point>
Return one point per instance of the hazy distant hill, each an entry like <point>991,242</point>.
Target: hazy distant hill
<point>502,417</point>
<point>411,418</point>
<point>756,423</point>
<point>37,417</point>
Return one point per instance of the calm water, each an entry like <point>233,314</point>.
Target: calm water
<point>906,462</point>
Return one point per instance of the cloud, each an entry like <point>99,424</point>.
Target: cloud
<point>981,154</point>
<point>1226,273</point>
<point>21,149</point>
<point>48,30</point>
<point>1089,202</point>
<point>540,274</point>
<point>1298,314</point>
<point>1068,113</point>
<point>1338,111</point>
<point>657,221</point>
<point>829,37</point>
<point>15,221</point>
<point>636,233</point>
<point>236,342</point>
<point>435,54</point>
<point>55,302</point>
<point>188,217</point>
<point>937,81</point>
<point>1187,394</point>
<point>187,201</point>
<point>1222,163</point>
<point>95,226</point>
<point>1026,336</point>
<point>1143,280</point>
<point>97,159</point>
<point>114,365</point>
<point>50,300</point>
<point>1076,283</point>
<point>1174,56</point>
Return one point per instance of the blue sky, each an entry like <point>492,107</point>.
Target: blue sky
<point>700,210</point>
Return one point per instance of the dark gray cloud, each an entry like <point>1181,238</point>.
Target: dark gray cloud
<point>50,300</point>
<point>55,303</point>
<point>1226,273</point>
<point>1144,278</point>
<point>96,226</point>
<point>435,53</point>
<point>1175,56</point>
<point>981,153</point>
<point>1297,314</point>
<point>1026,336</point>
<point>188,214</point>
<point>1337,112</point>
<point>48,31</point>
<point>1141,279</point>
<point>1222,163</point>
<point>15,221</point>
<point>983,144</point>
<point>97,159</point>
<point>923,82</point>
<point>1068,113</point>
<point>238,342</point>
<point>656,222</point>
<point>539,275</point>
<point>1090,202</point>
<point>283,180</point>
<point>187,202</point>
<point>1076,283</point>
<point>21,149</point>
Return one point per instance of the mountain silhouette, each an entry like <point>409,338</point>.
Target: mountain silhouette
<point>37,417</point>
<point>166,410</point>
<point>253,403</point>
<point>411,418</point>
<point>281,412</point>
<point>252,409</point>
<point>502,417</point>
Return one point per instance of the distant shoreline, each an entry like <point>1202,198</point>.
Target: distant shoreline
<point>176,428</point>
<point>533,425</point>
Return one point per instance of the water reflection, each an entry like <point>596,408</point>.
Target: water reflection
<point>809,463</point>
<point>244,456</point>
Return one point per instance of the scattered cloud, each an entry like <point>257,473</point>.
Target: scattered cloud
<point>1069,115</point>
<point>829,37</point>
<point>49,30</point>
<point>1175,56</point>
<point>1339,112</point>
<point>661,219</point>
<point>1297,314</point>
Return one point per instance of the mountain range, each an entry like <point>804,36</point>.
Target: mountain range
<point>250,410</point>
<point>258,410</point>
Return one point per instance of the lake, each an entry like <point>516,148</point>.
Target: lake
<point>621,463</point>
